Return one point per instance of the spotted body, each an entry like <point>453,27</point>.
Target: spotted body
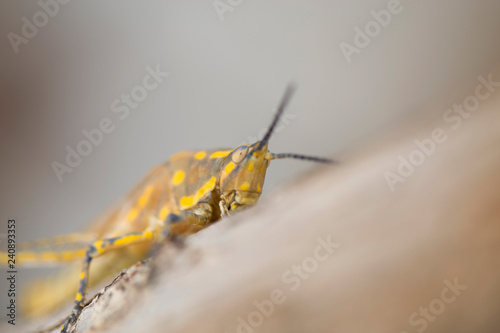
<point>176,199</point>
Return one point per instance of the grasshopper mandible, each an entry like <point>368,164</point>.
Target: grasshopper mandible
<point>176,199</point>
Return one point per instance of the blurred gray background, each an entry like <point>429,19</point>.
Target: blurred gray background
<point>226,77</point>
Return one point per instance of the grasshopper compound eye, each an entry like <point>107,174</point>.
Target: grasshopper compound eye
<point>239,154</point>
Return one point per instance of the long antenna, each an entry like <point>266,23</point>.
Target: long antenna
<point>299,157</point>
<point>290,89</point>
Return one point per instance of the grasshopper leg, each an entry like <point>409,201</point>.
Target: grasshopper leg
<point>97,249</point>
<point>175,228</point>
<point>184,224</point>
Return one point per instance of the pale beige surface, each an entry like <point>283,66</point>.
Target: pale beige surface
<point>395,249</point>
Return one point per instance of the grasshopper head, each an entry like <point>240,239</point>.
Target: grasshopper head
<point>242,177</point>
<point>244,169</point>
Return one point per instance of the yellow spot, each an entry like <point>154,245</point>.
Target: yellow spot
<point>250,167</point>
<point>205,189</point>
<point>143,200</point>
<point>186,202</point>
<point>245,186</point>
<point>78,297</point>
<point>229,167</point>
<point>126,240</point>
<point>49,256</point>
<point>82,275</point>
<point>178,177</point>
<point>221,153</point>
<point>26,256</point>
<point>98,246</point>
<point>132,214</point>
<point>66,255</point>
<point>262,169</point>
<point>164,213</point>
<point>200,155</point>
<point>148,235</point>
<point>258,188</point>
